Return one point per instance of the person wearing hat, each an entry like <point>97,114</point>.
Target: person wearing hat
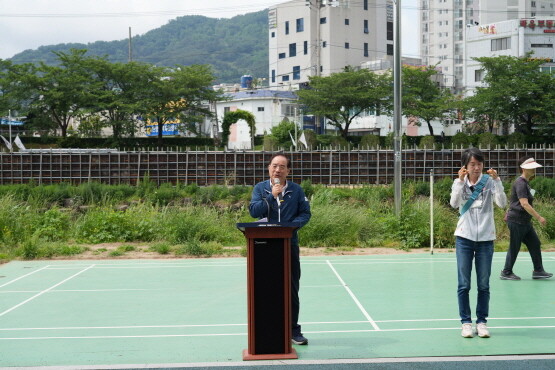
<point>519,221</point>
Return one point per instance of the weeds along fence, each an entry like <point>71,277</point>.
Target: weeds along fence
<point>329,167</point>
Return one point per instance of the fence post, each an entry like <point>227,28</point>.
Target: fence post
<point>432,211</point>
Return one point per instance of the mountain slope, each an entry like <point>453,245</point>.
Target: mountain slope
<point>234,46</point>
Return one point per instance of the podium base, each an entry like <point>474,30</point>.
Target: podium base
<point>278,356</point>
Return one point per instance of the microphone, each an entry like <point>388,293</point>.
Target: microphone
<point>278,182</point>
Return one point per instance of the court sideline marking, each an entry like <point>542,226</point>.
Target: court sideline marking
<point>44,291</point>
<point>21,277</point>
<point>368,317</point>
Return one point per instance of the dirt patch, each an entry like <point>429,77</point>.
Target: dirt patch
<point>143,251</point>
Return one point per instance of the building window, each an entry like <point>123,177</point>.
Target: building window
<point>297,73</point>
<point>346,21</point>
<point>501,44</point>
<point>227,110</point>
<point>305,47</point>
<point>365,4</point>
<point>323,20</point>
<point>281,55</point>
<point>390,31</point>
<point>389,49</point>
<point>292,50</point>
<point>273,34</point>
<point>324,43</point>
<point>261,109</point>
<point>542,45</point>
<point>273,75</point>
<point>287,27</point>
<point>285,78</point>
<point>533,4</point>
<point>346,45</point>
<point>300,24</point>
<point>365,49</point>
<point>366,26</point>
<point>478,75</point>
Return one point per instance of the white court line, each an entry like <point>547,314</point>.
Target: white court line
<point>245,324</point>
<point>21,277</point>
<point>130,336</point>
<point>85,290</point>
<point>127,327</point>
<point>368,317</point>
<point>44,291</point>
<point>169,266</point>
<point>244,334</point>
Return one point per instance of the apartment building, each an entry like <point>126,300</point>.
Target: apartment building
<point>320,37</point>
<point>512,38</point>
<point>444,24</point>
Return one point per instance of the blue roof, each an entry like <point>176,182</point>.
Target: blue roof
<point>251,94</point>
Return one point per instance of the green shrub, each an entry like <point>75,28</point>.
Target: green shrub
<point>427,142</point>
<point>544,186</point>
<point>487,140</point>
<point>370,141</point>
<point>333,225</point>
<point>308,189</point>
<point>196,248</point>
<point>53,225</point>
<point>460,139</point>
<point>270,143</point>
<point>103,225</point>
<point>516,140</point>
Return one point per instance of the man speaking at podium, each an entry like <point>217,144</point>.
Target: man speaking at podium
<point>281,200</point>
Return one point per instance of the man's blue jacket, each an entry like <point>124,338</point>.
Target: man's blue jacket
<point>294,207</point>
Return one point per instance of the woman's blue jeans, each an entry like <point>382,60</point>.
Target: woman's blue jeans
<point>482,252</point>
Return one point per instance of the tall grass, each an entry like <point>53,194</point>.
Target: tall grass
<point>43,221</point>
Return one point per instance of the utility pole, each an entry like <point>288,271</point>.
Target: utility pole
<point>130,56</point>
<point>397,105</point>
<point>10,124</point>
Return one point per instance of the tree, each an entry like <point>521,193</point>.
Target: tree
<point>179,93</point>
<point>422,97</point>
<point>118,96</point>
<point>517,91</point>
<point>61,92</point>
<point>343,96</point>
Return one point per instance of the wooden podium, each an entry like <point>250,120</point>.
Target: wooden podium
<point>268,290</point>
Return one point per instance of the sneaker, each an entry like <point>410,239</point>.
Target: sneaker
<point>299,339</point>
<point>482,330</point>
<point>541,275</point>
<point>467,330</point>
<point>508,275</point>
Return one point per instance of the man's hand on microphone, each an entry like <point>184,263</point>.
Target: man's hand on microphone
<point>277,188</point>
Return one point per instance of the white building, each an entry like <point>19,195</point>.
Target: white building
<point>512,38</point>
<point>269,108</point>
<point>443,24</point>
<point>320,37</point>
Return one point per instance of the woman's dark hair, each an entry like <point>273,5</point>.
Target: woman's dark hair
<point>469,153</point>
<point>281,155</point>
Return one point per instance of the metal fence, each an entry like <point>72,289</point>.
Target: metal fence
<point>330,167</point>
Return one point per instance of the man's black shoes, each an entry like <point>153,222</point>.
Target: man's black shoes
<point>541,275</point>
<point>299,339</point>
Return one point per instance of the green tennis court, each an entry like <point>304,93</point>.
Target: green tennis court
<point>355,310</point>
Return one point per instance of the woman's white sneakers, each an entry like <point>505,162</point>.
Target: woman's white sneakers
<point>481,329</point>
<point>467,331</point>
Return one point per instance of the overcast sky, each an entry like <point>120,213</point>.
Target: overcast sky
<point>28,24</point>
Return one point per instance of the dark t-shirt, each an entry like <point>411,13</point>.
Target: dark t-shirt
<point>517,214</point>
